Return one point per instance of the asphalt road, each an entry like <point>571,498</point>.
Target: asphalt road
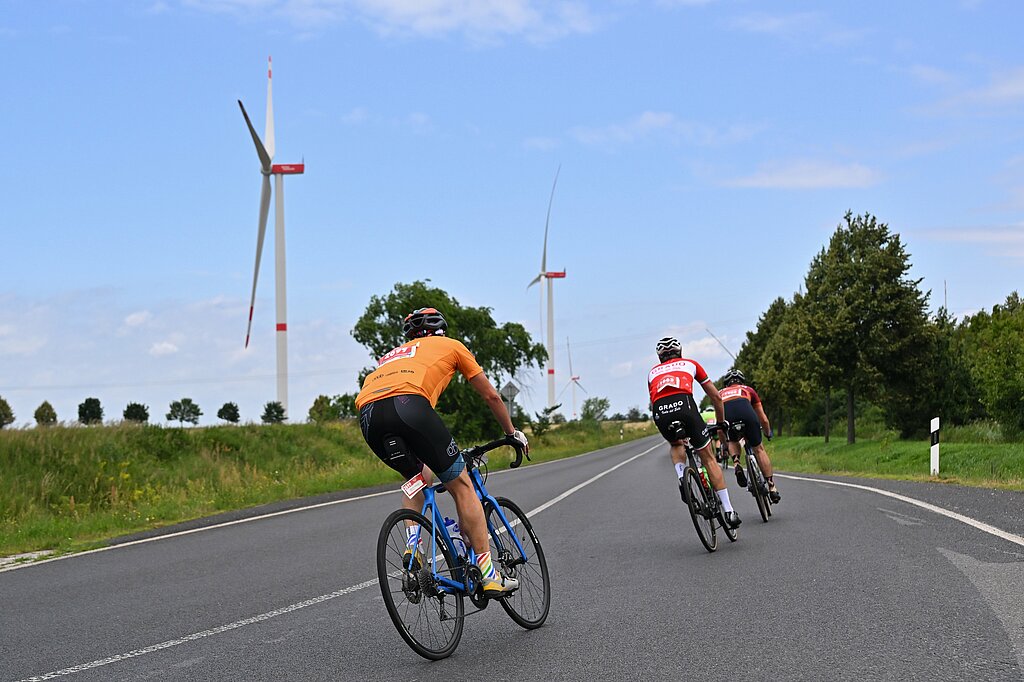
<point>842,583</point>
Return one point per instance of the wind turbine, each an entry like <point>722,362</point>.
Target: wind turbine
<point>278,170</point>
<point>544,274</point>
<point>574,380</point>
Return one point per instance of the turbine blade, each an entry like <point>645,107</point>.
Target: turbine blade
<point>581,386</point>
<point>264,210</point>
<point>260,149</point>
<point>567,385</point>
<point>269,134</point>
<point>547,222</point>
<point>569,349</point>
<point>533,281</point>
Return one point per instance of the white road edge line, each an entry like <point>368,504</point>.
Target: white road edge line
<point>135,653</point>
<point>974,523</point>
<point>269,515</point>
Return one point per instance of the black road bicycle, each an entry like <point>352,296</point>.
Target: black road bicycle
<point>706,509</point>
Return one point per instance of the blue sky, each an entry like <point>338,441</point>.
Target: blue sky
<point>708,149</point>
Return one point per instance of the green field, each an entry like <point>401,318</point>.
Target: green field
<point>71,488</point>
<point>986,464</point>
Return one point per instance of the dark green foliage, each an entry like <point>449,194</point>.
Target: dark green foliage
<point>501,350</point>
<point>6,414</point>
<point>995,350</point>
<point>345,404</point>
<point>595,409</point>
<point>544,420</point>
<point>229,413</point>
<point>90,411</point>
<point>273,413</point>
<point>635,414</point>
<point>45,414</point>
<point>184,410</point>
<point>136,412</point>
<point>558,418</point>
<point>323,411</point>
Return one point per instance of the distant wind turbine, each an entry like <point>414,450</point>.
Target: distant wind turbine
<point>544,274</point>
<point>266,155</point>
<point>574,380</point>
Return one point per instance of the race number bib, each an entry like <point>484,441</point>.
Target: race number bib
<point>413,486</point>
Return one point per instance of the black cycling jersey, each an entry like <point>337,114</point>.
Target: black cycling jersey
<point>411,418</point>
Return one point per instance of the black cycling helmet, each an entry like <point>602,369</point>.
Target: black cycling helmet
<point>669,347</point>
<point>424,322</point>
<point>734,376</point>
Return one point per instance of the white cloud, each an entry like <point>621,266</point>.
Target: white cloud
<point>660,124</point>
<point>997,242</point>
<point>808,175</point>
<point>356,116</point>
<point>162,348</point>
<point>930,75</point>
<point>480,20</point>
<point>541,143</point>
<point>807,27</point>
<point>622,369</point>
<point>138,319</point>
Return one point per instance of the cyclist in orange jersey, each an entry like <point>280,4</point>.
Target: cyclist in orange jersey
<point>398,400</point>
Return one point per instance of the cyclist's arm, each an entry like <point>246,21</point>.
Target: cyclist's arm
<point>763,418</point>
<point>716,399</point>
<point>486,390</point>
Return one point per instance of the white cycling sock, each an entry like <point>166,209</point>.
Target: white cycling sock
<point>723,495</point>
<point>680,470</point>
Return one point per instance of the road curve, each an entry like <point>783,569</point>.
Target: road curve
<point>840,584</point>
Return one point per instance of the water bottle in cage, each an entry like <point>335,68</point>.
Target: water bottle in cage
<point>455,532</point>
<point>704,476</point>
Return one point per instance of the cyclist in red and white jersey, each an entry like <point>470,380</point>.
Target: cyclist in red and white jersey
<point>743,404</point>
<point>670,384</point>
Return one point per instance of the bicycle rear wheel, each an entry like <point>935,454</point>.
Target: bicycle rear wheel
<point>699,505</point>
<point>528,606</point>
<point>757,487</point>
<point>429,620</point>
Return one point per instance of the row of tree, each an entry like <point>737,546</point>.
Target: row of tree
<point>860,334</point>
<point>184,411</point>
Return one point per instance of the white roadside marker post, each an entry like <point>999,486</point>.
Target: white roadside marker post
<point>935,447</point>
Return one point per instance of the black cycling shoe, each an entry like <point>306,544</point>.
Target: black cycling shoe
<point>733,519</point>
<point>774,495</point>
<point>741,476</point>
<point>682,493</point>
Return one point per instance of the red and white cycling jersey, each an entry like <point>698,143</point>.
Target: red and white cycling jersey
<point>675,377</point>
<point>738,391</point>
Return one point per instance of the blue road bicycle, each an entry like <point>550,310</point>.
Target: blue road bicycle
<point>424,592</point>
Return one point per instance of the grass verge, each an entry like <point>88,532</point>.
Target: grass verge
<point>67,489</point>
<point>989,465</point>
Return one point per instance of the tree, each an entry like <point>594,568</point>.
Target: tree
<point>273,413</point>
<point>229,413</point>
<point>594,409</point>
<point>324,410</point>
<point>184,410</point>
<point>866,317</point>
<point>635,414</point>
<point>136,412</point>
<point>90,411</point>
<point>501,350</point>
<point>345,404</point>
<point>997,360</point>
<point>45,414</point>
<point>543,421</point>
<point>6,414</point>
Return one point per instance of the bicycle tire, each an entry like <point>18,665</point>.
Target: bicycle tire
<point>757,486</point>
<point>418,619</point>
<point>528,606</point>
<point>698,504</point>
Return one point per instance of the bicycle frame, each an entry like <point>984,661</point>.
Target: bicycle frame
<point>430,511</point>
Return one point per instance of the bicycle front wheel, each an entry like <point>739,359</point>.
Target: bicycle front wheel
<point>527,606</point>
<point>429,619</point>
<point>697,500</point>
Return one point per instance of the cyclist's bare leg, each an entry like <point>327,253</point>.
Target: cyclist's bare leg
<point>707,456</point>
<point>762,459</point>
<point>415,503</point>
<point>470,511</point>
<point>734,450</point>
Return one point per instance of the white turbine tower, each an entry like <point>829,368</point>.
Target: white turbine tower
<point>574,380</point>
<point>266,154</point>
<point>544,274</point>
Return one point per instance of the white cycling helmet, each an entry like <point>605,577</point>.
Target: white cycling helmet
<point>669,347</point>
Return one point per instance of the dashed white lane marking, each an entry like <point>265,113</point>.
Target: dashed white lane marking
<point>135,653</point>
<point>974,523</point>
<point>250,519</point>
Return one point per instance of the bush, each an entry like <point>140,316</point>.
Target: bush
<point>184,410</point>
<point>136,412</point>
<point>90,411</point>
<point>6,414</point>
<point>273,413</point>
<point>45,414</point>
<point>324,410</point>
<point>229,413</point>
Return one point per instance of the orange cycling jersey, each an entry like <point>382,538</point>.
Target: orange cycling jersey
<point>419,367</point>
